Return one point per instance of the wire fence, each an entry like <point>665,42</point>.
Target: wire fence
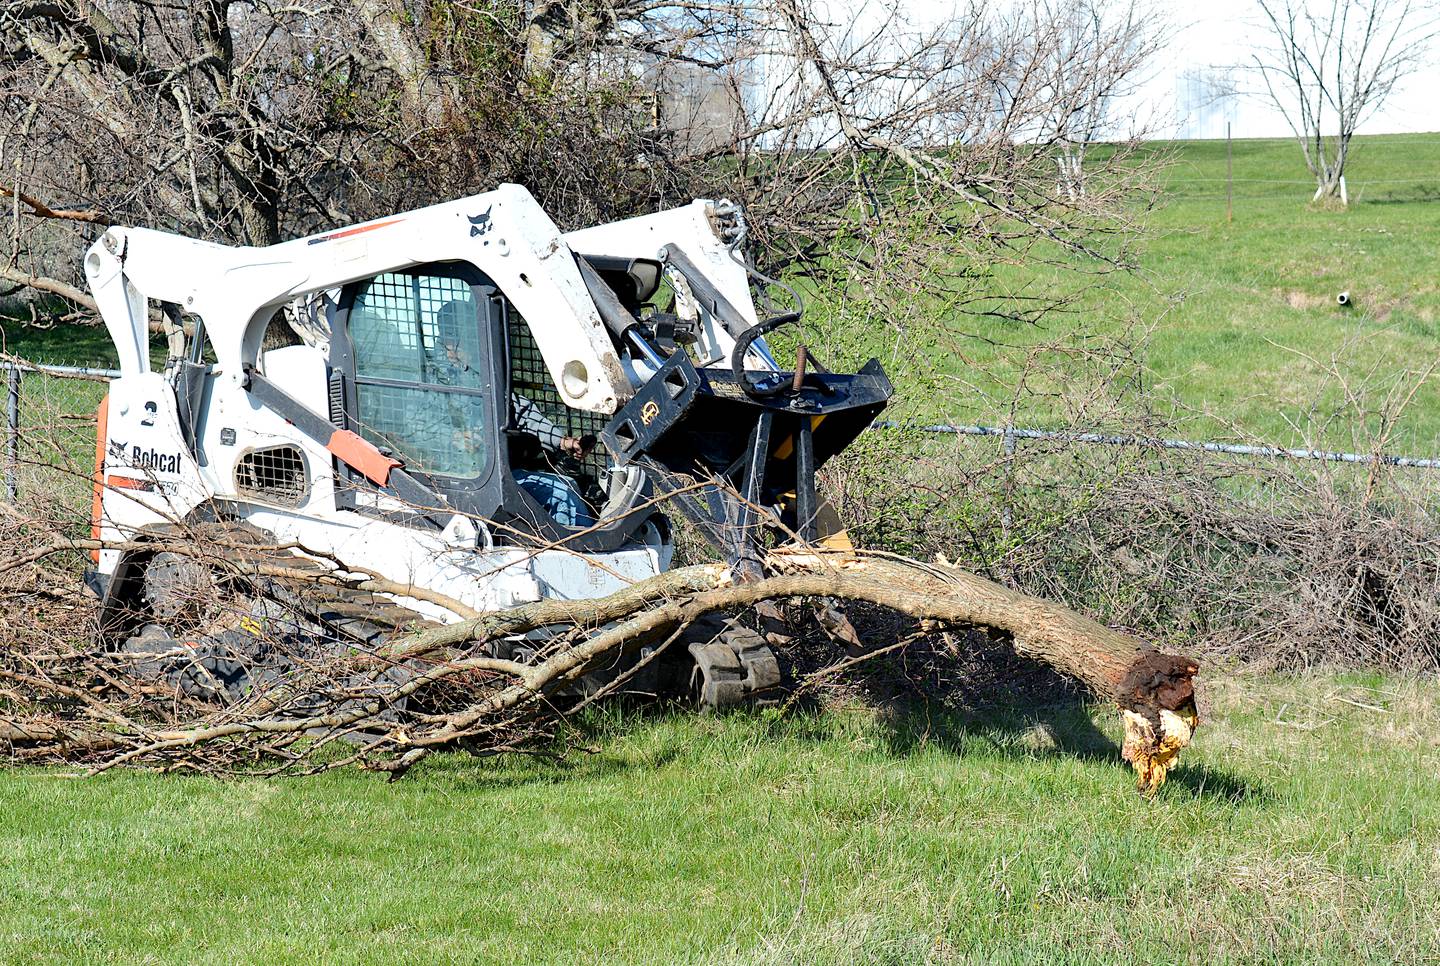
<point>14,375</point>
<point>1310,182</point>
<point>1010,436</point>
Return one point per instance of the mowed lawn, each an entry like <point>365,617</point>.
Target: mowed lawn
<point>1304,825</point>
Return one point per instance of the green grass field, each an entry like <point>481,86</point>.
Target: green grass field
<point>1304,826</point>
<point>1242,315</point>
<point>1253,321</point>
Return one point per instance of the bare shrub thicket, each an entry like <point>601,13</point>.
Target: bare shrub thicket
<point>1285,562</point>
<point>895,165</point>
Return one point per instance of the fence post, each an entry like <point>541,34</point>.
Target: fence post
<point>12,454</point>
<point>1229,176</point>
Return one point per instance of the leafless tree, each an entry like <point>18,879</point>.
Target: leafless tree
<point>1094,58</point>
<point>222,704</point>
<point>245,122</point>
<point>1330,64</point>
<point>895,163</point>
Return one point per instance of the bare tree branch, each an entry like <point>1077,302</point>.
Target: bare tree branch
<point>41,210</point>
<point>1327,68</point>
<point>50,286</point>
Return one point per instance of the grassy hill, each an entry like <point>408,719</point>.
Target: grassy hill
<point>1259,323</point>
<point>1245,329</point>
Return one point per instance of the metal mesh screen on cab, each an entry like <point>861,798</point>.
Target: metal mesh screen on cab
<point>422,331</point>
<point>530,378</point>
<point>275,475</point>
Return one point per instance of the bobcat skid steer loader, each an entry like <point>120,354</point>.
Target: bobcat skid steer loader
<point>461,400</point>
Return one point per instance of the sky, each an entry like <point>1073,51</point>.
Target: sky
<point>1218,34</point>
<point>1209,38</point>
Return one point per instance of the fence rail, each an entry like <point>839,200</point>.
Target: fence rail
<point>1012,433</point>
<point>1009,435</point>
<point>70,372</point>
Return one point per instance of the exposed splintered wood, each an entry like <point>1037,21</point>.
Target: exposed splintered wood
<point>496,704</point>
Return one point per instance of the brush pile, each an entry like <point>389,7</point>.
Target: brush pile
<point>255,673</point>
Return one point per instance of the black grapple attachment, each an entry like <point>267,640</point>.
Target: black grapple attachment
<point>726,442</point>
<point>725,449</point>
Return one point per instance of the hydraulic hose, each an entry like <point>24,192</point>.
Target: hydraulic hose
<point>742,346</point>
<point>748,337</point>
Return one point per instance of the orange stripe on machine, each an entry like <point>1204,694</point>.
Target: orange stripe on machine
<point>358,230</point>
<point>358,453</point>
<point>129,483</point>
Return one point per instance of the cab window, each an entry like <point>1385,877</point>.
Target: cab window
<point>420,371</point>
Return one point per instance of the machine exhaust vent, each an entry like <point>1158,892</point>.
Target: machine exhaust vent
<point>337,399</point>
<point>275,474</point>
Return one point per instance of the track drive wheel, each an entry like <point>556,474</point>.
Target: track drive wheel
<point>213,636</point>
<point>733,666</point>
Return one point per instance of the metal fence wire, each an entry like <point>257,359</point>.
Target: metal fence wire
<point>1010,435</point>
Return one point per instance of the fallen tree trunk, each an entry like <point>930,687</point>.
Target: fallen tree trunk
<point>502,702</point>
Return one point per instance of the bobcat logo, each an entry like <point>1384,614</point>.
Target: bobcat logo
<point>143,459</point>
<point>481,223</point>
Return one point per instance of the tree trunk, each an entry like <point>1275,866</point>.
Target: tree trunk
<point>1327,186</point>
<point>1153,691</point>
<point>493,704</point>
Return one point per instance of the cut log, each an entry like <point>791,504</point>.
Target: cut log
<point>1154,691</point>
<point>493,704</point>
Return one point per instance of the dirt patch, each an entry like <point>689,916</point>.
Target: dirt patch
<point>1302,300</point>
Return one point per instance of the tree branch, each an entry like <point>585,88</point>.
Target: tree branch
<point>41,210</point>
<point>51,286</point>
